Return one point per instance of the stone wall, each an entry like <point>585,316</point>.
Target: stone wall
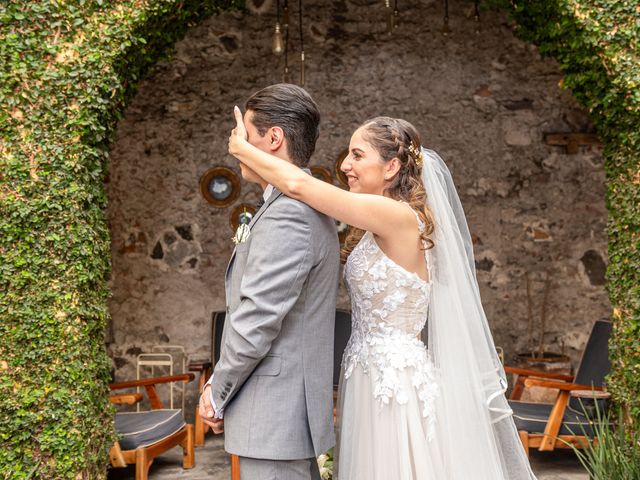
<point>483,100</point>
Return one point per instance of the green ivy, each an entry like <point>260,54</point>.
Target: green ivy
<point>67,70</point>
<point>596,43</point>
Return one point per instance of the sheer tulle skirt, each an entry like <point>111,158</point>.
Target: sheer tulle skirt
<point>383,442</point>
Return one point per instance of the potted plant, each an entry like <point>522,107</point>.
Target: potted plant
<point>536,357</point>
<point>614,452</point>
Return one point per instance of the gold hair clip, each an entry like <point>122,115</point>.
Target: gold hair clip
<point>416,152</point>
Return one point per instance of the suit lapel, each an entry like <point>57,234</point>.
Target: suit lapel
<point>274,195</point>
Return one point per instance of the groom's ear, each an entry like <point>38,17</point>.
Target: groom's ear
<point>276,137</point>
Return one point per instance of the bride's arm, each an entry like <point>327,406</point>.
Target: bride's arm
<point>378,214</point>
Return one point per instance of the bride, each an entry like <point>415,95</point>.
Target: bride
<point>406,411</point>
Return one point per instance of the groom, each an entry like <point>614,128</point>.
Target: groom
<point>271,390</point>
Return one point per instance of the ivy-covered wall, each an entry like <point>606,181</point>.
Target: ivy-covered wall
<point>67,70</point>
<point>597,43</point>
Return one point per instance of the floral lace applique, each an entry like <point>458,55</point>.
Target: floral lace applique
<point>389,310</point>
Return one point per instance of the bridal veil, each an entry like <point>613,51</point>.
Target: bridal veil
<point>476,431</point>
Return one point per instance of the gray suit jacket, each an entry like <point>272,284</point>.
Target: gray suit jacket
<point>275,373</point>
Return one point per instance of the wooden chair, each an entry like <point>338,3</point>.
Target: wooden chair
<point>547,426</point>
<point>217,327</point>
<point>342,332</point>
<point>145,435</point>
<point>204,369</point>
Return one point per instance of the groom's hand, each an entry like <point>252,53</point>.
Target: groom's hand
<point>238,134</point>
<point>206,412</point>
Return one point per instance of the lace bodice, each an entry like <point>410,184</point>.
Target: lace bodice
<point>388,310</point>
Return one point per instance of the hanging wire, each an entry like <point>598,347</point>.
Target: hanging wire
<point>285,77</point>
<point>285,15</point>
<point>393,17</point>
<point>477,16</point>
<point>396,15</point>
<point>301,43</point>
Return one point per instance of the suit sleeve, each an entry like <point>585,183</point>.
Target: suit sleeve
<point>278,264</point>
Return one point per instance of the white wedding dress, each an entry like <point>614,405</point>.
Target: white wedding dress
<point>387,425</point>
<point>408,413</point>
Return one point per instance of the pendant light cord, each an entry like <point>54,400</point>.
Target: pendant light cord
<point>300,25</point>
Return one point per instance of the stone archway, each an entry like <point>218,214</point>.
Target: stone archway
<point>482,100</point>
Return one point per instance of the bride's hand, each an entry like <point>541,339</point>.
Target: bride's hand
<point>238,134</point>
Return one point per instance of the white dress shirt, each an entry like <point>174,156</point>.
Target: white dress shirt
<point>267,192</point>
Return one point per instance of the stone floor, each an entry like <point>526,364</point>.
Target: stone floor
<point>212,463</point>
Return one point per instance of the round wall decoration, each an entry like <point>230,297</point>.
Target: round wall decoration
<point>243,213</point>
<point>220,186</point>
<point>343,230</point>
<point>321,173</point>
<point>339,173</point>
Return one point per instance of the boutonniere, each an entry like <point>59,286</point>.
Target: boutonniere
<point>242,232</point>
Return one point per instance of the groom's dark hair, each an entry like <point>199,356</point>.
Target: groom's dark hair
<point>291,108</point>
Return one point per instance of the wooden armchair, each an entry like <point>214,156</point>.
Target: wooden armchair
<point>145,435</point>
<point>524,374</point>
<point>548,427</point>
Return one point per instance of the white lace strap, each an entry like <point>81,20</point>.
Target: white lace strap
<point>421,225</point>
<point>421,229</point>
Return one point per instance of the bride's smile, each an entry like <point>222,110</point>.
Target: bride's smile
<point>364,167</point>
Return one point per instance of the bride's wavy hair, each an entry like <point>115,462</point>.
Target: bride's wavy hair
<point>394,138</point>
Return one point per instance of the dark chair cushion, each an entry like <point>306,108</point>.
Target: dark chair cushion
<point>141,429</point>
<point>533,417</point>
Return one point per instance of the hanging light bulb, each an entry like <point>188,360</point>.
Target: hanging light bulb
<point>277,45</point>
<point>278,42</point>
<point>445,28</point>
